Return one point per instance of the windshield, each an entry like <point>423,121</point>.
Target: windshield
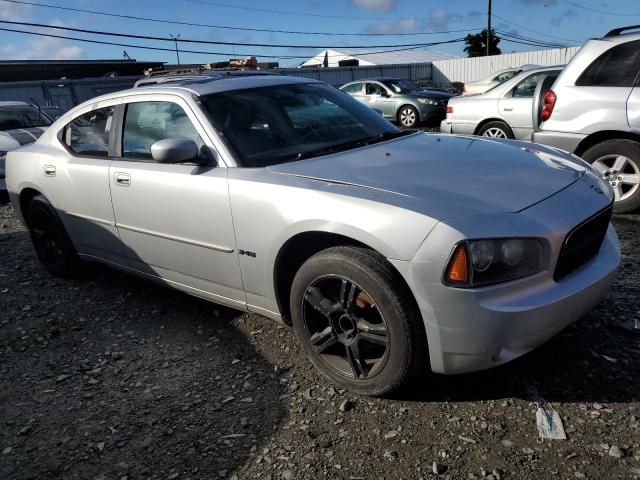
<point>269,125</point>
<point>22,116</point>
<point>401,86</point>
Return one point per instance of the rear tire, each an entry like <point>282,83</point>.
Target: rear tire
<point>496,129</point>
<point>618,162</point>
<point>50,240</point>
<point>358,323</point>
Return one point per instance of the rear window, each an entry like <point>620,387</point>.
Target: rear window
<point>617,67</point>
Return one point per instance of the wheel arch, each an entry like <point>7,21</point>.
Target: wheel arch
<point>26,195</point>
<point>300,247</point>
<point>488,120</point>
<point>602,136</point>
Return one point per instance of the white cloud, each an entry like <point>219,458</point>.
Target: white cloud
<point>407,25</point>
<point>377,5</point>
<point>14,12</point>
<point>439,20</point>
<point>42,48</point>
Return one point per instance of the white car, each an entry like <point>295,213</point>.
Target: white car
<point>20,124</point>
<point>490,81</point>
<point>502,112</point>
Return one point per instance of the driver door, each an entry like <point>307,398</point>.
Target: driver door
<point>377,98</point>
<point>174,219</point>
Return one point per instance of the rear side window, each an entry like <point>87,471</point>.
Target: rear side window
<point>527,87</point>
<point>147,122</point>
<point>89,134</point>
<point>353,88</point>
<point>617,67</point>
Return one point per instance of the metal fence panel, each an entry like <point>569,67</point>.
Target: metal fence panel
<point>341,75</point>
<point>470,69</point>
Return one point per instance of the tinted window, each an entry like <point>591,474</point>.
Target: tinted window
<point>22,116</point>
<point>269,125</point>
<point>353,88</point>
<point>527,87</point>
<point>373,89</point>
<point>617,67</point>
<point>147,122</point>
<point>89,134</point>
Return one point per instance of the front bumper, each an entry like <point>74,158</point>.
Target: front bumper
<point>432,113</point>
<point>480,328</point>
<point>564,141</point>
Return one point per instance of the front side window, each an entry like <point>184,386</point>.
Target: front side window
<point>22,116</point>
<point>527,87</point>
<point>269,125</point>
<point>89,134</point>
<point>147,122</point>
<point>503,77</point>
<point>373,89</point>
<point>617,67</point>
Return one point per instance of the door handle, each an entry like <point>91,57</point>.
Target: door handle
<point>508,109</point>
<point>49,171</point>
<point>122,179</point>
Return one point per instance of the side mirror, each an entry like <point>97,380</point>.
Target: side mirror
<point>175,150</point>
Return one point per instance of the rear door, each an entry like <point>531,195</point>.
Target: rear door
<point>516,104</point>
<point>174,219</point>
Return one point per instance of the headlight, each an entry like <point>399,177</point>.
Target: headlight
<point>427,101</point>
<point>476,263</point>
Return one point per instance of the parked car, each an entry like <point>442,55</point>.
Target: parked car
<point>490,81</point>
<point>338,221</point>
<point>502,112</point>
<point>20,124</point>
<point>593,111</point>
<point>400,101</point>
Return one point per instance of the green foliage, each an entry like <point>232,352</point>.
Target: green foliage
<point>477,44</point>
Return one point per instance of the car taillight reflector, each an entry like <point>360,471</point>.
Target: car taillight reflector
<point>549,102</point>
<point>449,109</point>
<point>458,270</point>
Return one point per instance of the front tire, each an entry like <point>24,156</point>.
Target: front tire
<point>50,240</point>
<point>618,162</point>
<point>496,129</point>
<point>408,116</point>
<point>358,323</point>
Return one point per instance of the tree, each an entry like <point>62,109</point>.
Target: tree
<point>477,44</point>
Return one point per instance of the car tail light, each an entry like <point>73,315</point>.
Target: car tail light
<point>458,269</point>
<point>549,102</point>
<point>449,109</point>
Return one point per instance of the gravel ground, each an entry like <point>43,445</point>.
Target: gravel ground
<point>111,377</point>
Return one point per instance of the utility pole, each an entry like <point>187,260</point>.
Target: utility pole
<point>489,29</point>
<point>175,39</point>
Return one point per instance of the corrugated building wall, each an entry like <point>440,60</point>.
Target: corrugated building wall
<point>470,69</point>
<point>341,75</point>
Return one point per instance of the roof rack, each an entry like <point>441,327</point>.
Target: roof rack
<point>617,31</point>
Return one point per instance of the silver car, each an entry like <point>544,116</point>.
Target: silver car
<point>502,112</point>
<point>593,110</point>
<point>284,197</point>
<point>493,80</point>
<point>400,101</point>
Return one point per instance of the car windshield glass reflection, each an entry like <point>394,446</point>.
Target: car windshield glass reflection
<point>401,86</point>
<point>269,125</point>
<point>22,117</point>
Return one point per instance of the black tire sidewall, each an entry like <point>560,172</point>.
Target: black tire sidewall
<point>399,348</point>
<point>629,149</point>
<point>497,124</point>
<point>40,210</point>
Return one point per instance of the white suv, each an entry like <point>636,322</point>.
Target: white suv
<point>593,110</point>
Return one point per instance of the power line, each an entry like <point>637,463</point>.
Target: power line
<point>604,12</point>
<point>224,27</point>
<point>535,31</point>
<point>199,52</point>
<point>288,12</point>
<point>206,42</point>
<point>532,40</point>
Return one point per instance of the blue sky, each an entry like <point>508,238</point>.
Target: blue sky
<point>565,21</point>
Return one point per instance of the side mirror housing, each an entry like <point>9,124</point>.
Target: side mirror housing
<point>175,150</point>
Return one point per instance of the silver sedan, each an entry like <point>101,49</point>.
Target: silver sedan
<point>505,111</point>
<point>391,252</point>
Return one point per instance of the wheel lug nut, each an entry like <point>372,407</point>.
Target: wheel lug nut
<point>613,184</point>
<point>619,178</point>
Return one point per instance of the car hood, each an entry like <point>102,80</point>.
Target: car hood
<point>449,175</point>
<point>12,139</point>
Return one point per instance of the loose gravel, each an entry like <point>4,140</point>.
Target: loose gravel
<point>111,377</point>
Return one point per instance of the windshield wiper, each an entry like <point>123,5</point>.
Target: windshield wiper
<point>341,147</point>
